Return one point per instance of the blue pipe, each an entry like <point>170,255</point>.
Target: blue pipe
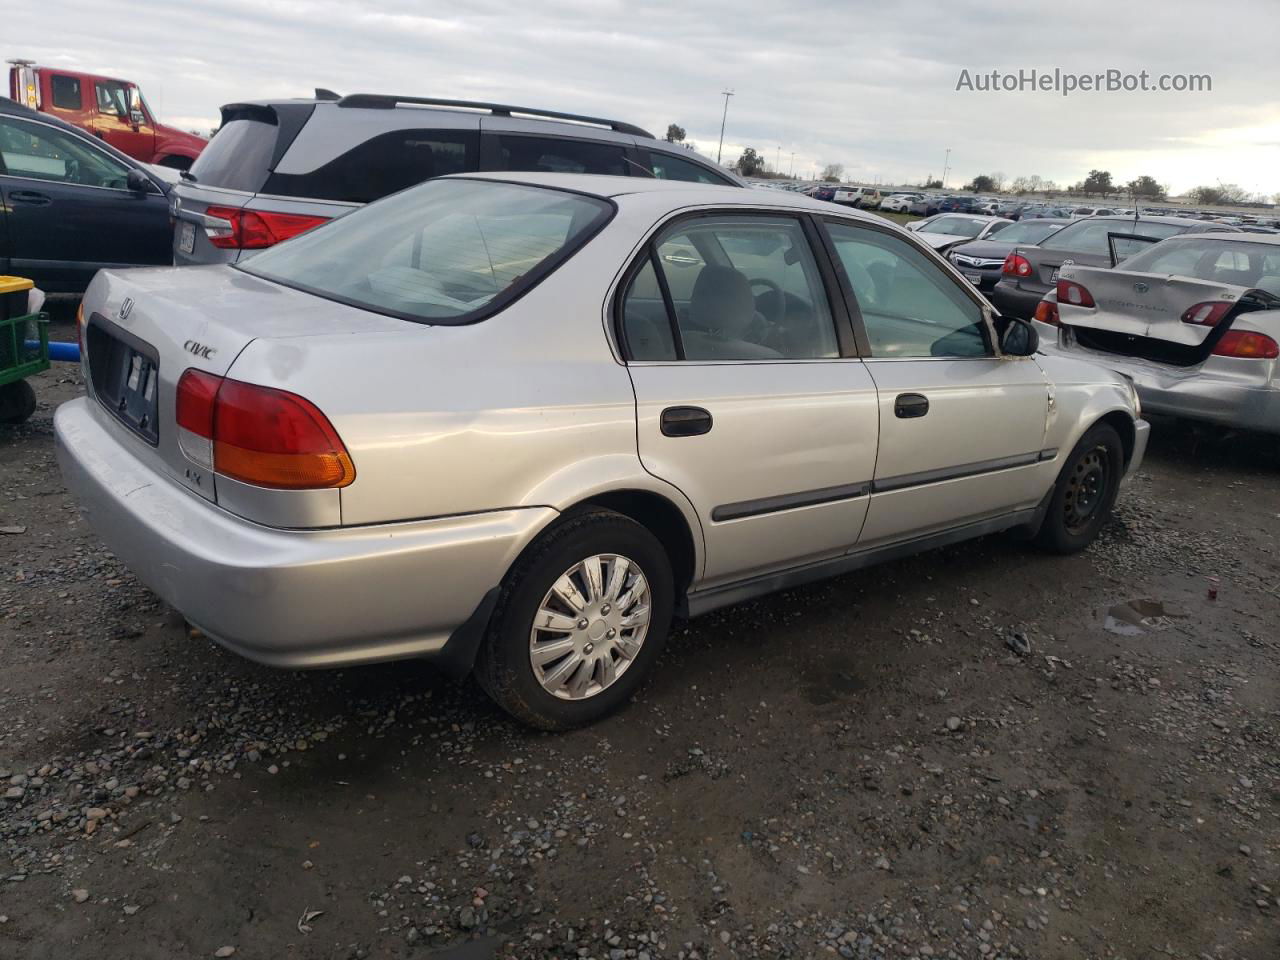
<point>65,352</point>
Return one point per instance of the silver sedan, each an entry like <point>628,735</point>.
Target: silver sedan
<point>516,423</point>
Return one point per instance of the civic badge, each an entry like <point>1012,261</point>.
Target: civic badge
<point>126,307</point>
<point>1140,287</point>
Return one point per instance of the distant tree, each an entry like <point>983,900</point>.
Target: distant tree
<point>832,172</point>
<point>1047,187</point>
<point>997,180</point>
<point>1223,193</point>
<point>931,184</point>
<point>675,133</point>
<point>982,183</point>
<point>750,163</point>
<point>1098,181</point>
<point>1146,186</point>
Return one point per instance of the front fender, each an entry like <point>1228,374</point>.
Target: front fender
<point>1082,394</point>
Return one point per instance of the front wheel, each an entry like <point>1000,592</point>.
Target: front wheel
<point>1085,492</point>
<point>581,619</point>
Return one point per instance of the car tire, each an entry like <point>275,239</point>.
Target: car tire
<point>561,693</point>
<point>1084,493</point>
<point>17,402</point>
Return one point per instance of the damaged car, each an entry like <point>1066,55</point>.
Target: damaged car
<point>1193,320</point>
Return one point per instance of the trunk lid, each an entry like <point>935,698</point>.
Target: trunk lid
<point>1144,304</point>
<point>145,328</point>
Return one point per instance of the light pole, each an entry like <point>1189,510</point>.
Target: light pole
<point>723,117</point>
<point>777,160</point>
<point>946,165</point>
<point>792,175</point>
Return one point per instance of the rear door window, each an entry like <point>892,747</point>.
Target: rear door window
<point>560,155</point>
<point>382,165</point>
<point>741,288</point>
<point>667,167</point>
<point>66,92</point>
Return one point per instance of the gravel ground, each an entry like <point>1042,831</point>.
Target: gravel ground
<point>949,756</point>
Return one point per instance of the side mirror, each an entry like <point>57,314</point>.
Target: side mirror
<point>138,182</point>
<point>1019,338</point>
<point>136,117</point>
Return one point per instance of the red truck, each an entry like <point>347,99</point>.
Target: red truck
<point>111,109</point>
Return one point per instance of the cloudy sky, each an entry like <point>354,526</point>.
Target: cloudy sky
<point>868,85</point>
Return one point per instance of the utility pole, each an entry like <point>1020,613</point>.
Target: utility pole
<point>723,117</point>
<point>793,165</point>
<point>777,161</point>
<point>946,165</point>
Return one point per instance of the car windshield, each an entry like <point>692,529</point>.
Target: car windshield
<point>1028,231</point>
<point>441,252</point>
<point>956,226</point>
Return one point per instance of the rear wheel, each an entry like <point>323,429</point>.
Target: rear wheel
<point>17,402</point>
<point>1085,492</point>
<point>581,619</point>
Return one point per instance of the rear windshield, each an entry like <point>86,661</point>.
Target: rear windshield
<point>1090,236</point>
<point>1222,261</point>
<point>447,251</point>
<point>237,157</point>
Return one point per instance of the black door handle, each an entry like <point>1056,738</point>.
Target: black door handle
<point>685,422</point>
<point>908,406</point>
<point>29,196</point>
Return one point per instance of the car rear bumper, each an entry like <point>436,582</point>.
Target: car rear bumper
<point>290,598</point>
<point>1221,390</point>
<point>1013,301</point>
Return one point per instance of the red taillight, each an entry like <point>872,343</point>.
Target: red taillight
<point>1016,265</point>
<point>1047,312</point>
<point>1207,314</point>
<point>256,229</point>
<point>263,436</point>
<point>1242,343</point>
<point>1073,293</point>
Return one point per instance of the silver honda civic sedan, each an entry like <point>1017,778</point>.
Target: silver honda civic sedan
<point>516,423</point>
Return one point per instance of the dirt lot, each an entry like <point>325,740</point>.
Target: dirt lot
<point>863,768</point>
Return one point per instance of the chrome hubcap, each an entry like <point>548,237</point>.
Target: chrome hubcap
<point>589,627</point>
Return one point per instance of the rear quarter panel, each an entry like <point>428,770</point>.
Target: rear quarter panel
<point>528,407</point>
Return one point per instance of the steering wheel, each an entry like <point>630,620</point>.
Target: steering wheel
<point>779,310</point>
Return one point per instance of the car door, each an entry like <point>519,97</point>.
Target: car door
<point>749,396</point>
<point>121,121</point>
<point>961,428</point>
<point>69,209</point>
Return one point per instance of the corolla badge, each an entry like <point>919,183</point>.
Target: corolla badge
<point>126,307</point>
<point>1140,287</point>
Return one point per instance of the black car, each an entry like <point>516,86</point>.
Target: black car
<point>73,205</point>
<point>980,260</point>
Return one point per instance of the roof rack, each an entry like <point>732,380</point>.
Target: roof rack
<point>387,102</point>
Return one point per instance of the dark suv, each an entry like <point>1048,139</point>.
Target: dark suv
<point>277,168</point>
